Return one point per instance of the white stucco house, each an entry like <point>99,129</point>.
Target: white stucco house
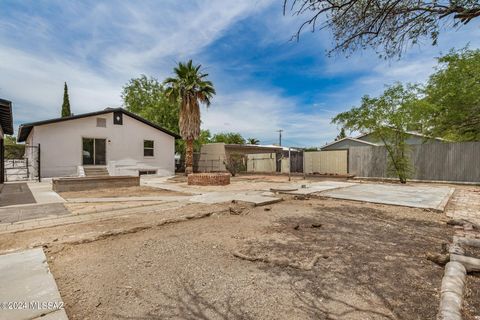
<point>113,139</point>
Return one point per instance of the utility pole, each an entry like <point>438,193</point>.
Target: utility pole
<point>280,137</point>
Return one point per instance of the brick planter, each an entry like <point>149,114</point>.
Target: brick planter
<point>88,183</point>
<point>209,179</point>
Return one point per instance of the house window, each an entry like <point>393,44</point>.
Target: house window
<point>146,172</point>
<point>148,148</point>
<point>101,122</point>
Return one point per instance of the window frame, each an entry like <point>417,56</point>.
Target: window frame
<point>145,148</point>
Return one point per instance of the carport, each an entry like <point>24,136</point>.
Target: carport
<point>213,155</point>
<point>6,127</point>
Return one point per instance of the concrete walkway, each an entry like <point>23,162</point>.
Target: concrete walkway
<point>28,289</point>
<point>43,193</point>
<point>14,214</point>
<point>71,218</point>
<point>15,193</point>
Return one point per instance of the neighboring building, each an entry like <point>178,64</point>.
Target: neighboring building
<point>6,127</point>
<point>113,139</point>
<point>369,139</point>
<point>345,144</point>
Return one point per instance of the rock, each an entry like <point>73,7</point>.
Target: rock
<point>296,227</point>
<point>267,209</point>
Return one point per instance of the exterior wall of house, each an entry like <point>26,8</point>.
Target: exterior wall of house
<point>61,146</point>
<point>412,139</point>
<point>344,145</point>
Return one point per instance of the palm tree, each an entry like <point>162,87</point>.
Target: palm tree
<point>253,141</point>
<point>189,88</point>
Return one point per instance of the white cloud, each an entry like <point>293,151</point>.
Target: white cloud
<point>260,114</point>
<point>35,85</point>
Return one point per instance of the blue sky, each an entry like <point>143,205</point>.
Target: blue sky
<point>264,81</point>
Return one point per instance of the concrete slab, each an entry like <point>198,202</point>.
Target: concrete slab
<point>162,183</point>
<point>434,198</point>
<point>28,287</point>
<point>220,197</point>
<point>43,193</point>
<point>15,194</point>
<point>318,187</point>
<point>28,212</point>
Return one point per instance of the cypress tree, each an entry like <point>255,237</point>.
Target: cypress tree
<point>66,103</point>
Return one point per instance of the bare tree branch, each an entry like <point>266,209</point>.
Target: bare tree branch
<point>388,26</point>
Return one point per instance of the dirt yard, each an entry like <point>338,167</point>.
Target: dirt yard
<point>298,259</point>
<point>121,192</point>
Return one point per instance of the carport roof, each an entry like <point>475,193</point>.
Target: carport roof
<point>252,148</point>
<point>6,119</point>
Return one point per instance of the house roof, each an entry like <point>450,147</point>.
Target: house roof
<point>6,118</point>
<point>26,128</point>
<point>351,139</point>
<point>413,133</point>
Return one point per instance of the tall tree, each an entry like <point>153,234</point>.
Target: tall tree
<point>228,138</point>
<point>189,88</point>
<point>147,98</point>
<point>451,108</point>
<point>66,103</point>
<point>341,134</point>
<point>253,141</point>
<point>388,26</point>
<point>387,117</point>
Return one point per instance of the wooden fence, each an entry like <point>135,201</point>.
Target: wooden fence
<point>455,162</point>
<point>327,162</point>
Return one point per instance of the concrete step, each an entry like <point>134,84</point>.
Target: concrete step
<point>95,171</point>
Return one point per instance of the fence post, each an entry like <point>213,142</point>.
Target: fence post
<point>26,164</point>
<point>303,165</point>
<point>289,165</point>
<point>39,163</point>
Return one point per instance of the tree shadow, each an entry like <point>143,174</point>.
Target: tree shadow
<point>189,303</point>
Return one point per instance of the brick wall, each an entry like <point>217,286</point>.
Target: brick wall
<point>209,179</point>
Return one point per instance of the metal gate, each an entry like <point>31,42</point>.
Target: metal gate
<point>21,162</point>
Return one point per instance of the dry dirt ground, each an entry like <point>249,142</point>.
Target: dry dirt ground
<point>120,192</point>
<point>298,259</point>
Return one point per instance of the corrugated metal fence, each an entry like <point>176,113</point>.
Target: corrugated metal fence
<point>431,161</point>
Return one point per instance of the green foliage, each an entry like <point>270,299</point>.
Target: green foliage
<point>235,163</point>
<point>9,140</point>
<point>228,138</point>
<point>341,134</point>
<point>387,117</point>
<point>66,103</point>
<point>451,108</point>
<point>146,97</point>
<point>12,149</point>
<point>253,141</point>
<point>204,138</point>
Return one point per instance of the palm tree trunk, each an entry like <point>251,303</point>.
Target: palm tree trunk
<point>189,157</point>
